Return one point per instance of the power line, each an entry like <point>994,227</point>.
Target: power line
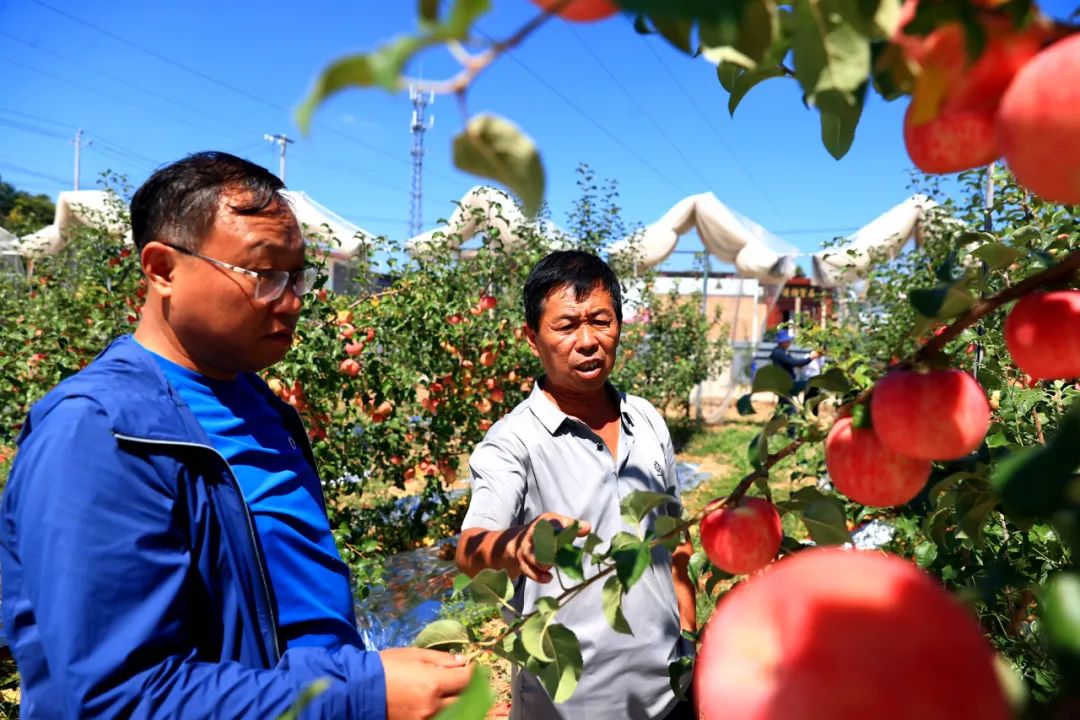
<point>637,104</point>
<point>227,86</point>
<point>98,91</point>
<point>198,112</point>
<point>35,173</point>
<point>30,129</point>
<point>704,116</point>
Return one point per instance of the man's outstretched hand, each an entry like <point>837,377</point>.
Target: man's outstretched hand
<point>525,552</point>
<point>420,683</point>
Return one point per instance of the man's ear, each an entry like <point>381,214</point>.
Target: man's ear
<point>530,336</point>
<point>158,264</point>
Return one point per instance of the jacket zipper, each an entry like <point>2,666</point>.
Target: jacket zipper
<point>247,516</point>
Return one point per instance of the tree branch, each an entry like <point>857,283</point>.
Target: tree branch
<point>1062,271</point>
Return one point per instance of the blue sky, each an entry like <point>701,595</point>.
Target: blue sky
<point>150,82</point>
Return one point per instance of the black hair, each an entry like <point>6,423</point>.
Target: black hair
<point>179,202</point>
<point>579,270</point>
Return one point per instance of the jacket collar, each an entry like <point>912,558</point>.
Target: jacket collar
<point>129,386</point>
<point>549,414</point>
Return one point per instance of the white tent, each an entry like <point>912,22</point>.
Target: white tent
<point>96,208</point>
<point>100,208</point>
<point>481,209</point>
<point>8,243</point>
<point>725,234</point>
<point>881,238</point>
<point>322,222</point>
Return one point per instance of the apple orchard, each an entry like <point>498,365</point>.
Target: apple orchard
<point>951,410</point>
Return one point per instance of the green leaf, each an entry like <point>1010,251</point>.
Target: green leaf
<point>727,73</point>
<point>997,255</point>
<point>384,66</point>
<point>560,676</point>
<point>1026,234</point>
<point>1061,612</point>
<point>925,554</point>
<point>832,380</point>
<point>1035,482</point>
<point>942,302</point>
<point>442,634</point>
<point>543,539</point>
<point>744,405</point>
<point>570,560</point>
<point>475,701</point>
<point>664,525</point>
<point>831,54</point>
<point>860,416</point>
<point>534,631</point>
<point>491,586</point>
<point>746,80</point>
<point>631,556</point>
<point>677,675</point>
<point>974,518</point>
<point>676,31</point>
<point>592,541</point>
<point>639,503</point>
<point>613,594</point>
<point>838,124</point>
<point>429,11</point>
<point>826,523</point>
<point>772,378</point>
<point>493,147</point>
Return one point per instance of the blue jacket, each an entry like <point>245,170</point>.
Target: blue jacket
<point>133,581</point>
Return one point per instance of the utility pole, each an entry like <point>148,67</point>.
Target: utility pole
<point>418,127</point>
<point>78,154</point>
<point>282,142</point>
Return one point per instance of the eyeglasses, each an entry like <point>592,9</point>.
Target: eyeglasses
<point>269,284</point>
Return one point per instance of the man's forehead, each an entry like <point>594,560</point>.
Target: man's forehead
<point>563,299</point>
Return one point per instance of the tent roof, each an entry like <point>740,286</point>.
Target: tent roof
<point>321,221</point>
<point>98,208</point>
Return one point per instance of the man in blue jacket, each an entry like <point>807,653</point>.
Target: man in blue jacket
<point>164,544</point>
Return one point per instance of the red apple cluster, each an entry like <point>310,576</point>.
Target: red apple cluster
<point>1015,101</point>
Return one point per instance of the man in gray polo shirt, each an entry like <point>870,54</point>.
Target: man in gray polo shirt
<point>572,450</point>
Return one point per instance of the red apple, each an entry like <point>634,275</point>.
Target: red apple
<point>1042,333</point>
<point>581,10</point>
<point>743,538</point>
<point>354,348</point>
<point>1038,123</point>
<point>487,302</point>
<point>497,395</point>
<point>487,358</point>
<point>350,367</point>
<point>869,473</point>
<point>935,415</point>
<point>947,143</point>
<point>830,633</point>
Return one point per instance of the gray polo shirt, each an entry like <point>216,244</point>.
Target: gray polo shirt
<point>538,459</point>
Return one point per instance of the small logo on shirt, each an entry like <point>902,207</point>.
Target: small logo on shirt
<point>656,466</point>
<point>292,443</point>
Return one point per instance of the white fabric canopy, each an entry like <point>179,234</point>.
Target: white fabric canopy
<point>482,209</point>
<point>95,208</point>
<point>8,243</point>
<point>322,222</point>
<point>881,237</point>
<point>99,208</point>
<point>725,234</point>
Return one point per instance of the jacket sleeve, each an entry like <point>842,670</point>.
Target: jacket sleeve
<point>97,583</point>
<point>781,356</point>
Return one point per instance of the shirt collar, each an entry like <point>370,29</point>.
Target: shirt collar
<point>552,418</point>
